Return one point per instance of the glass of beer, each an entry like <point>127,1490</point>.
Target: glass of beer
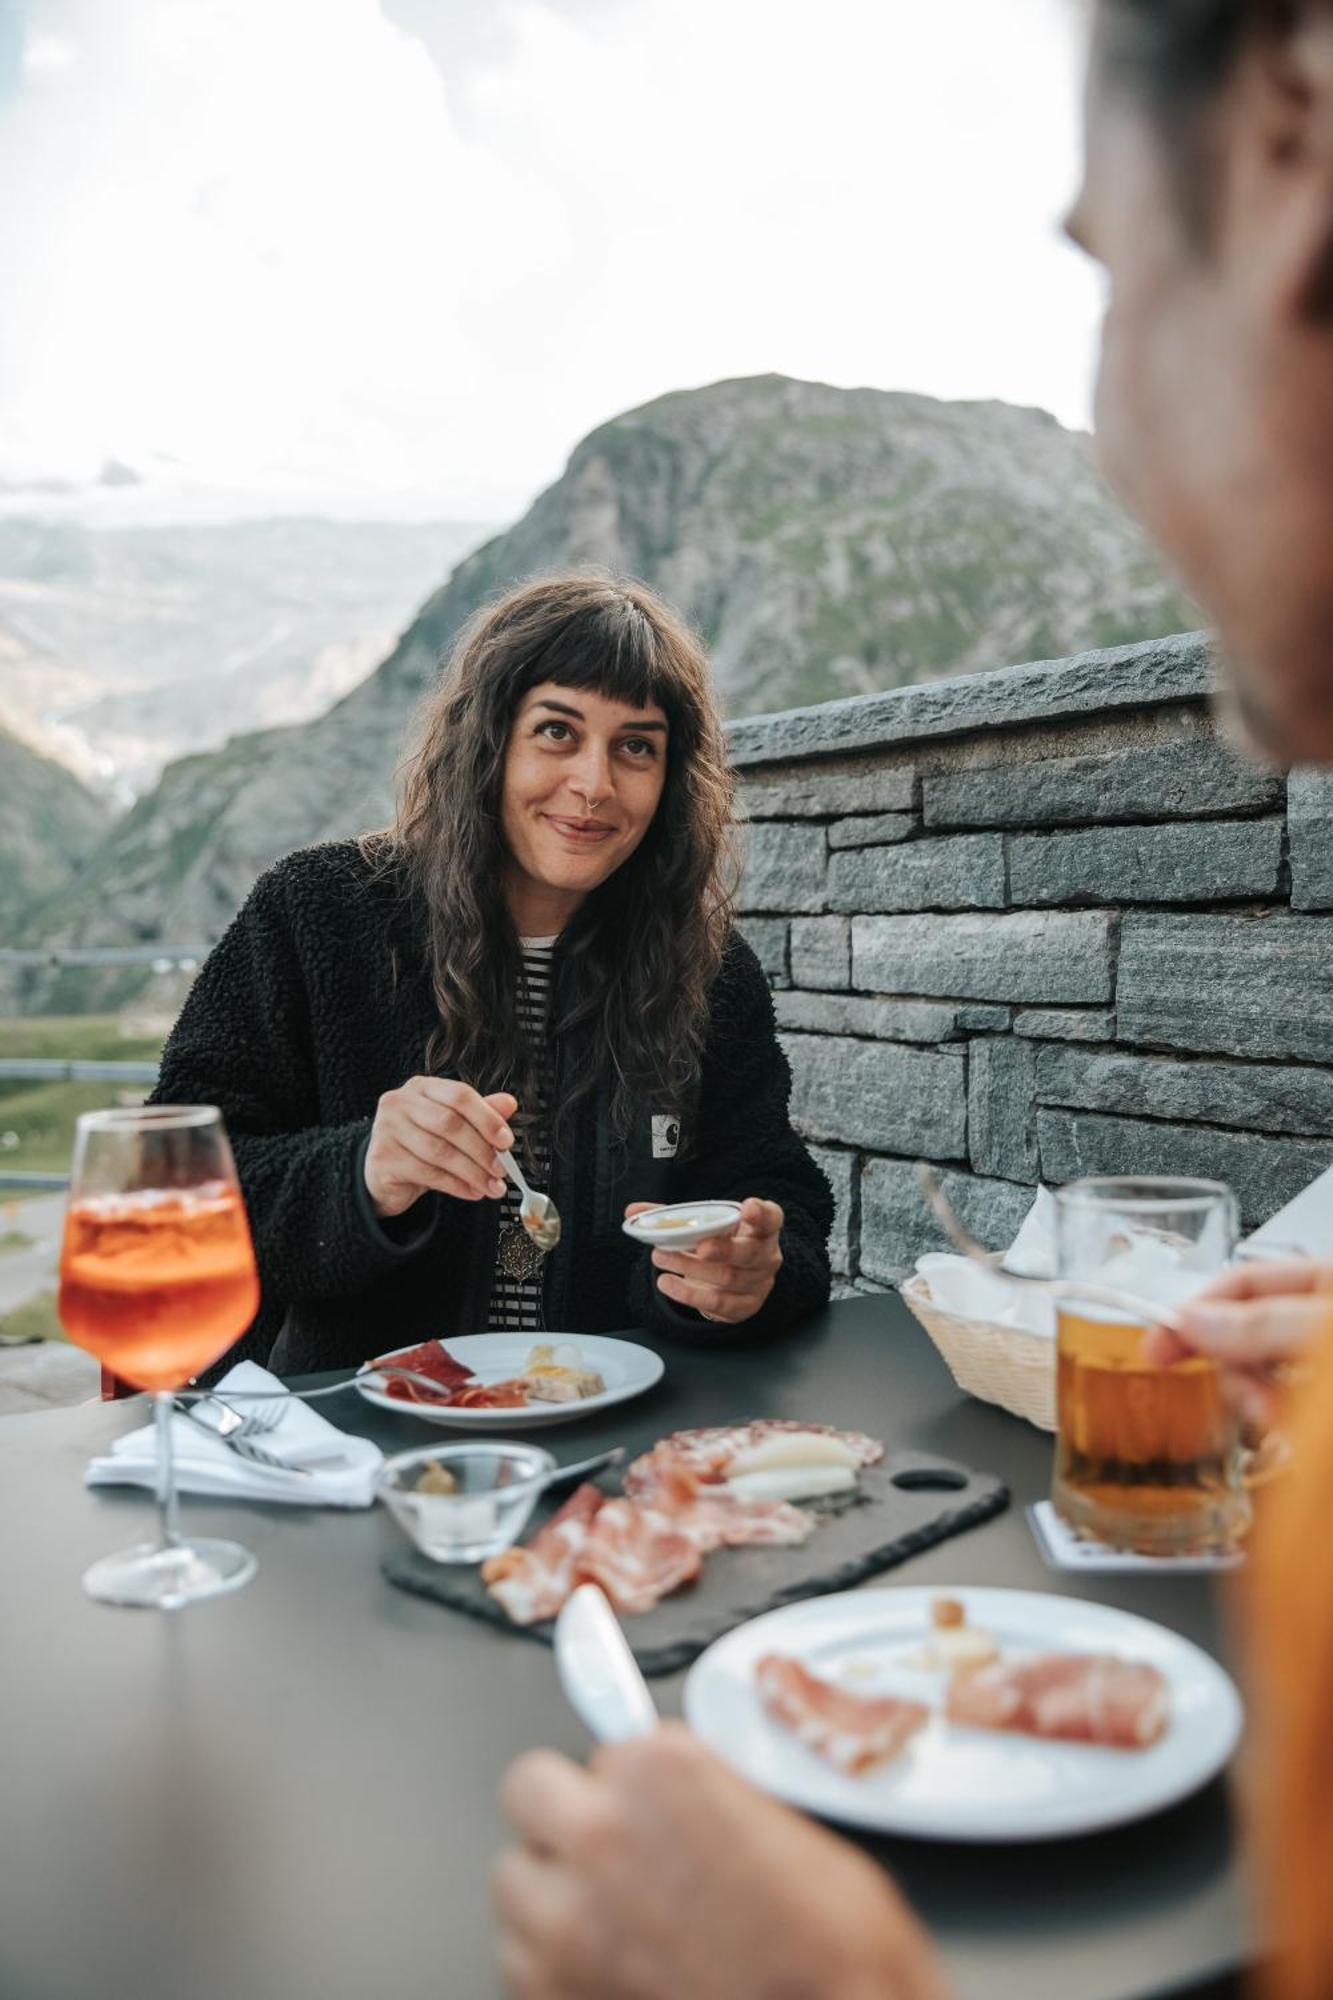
<point>157,1279</point>
<point>1147,1458</point>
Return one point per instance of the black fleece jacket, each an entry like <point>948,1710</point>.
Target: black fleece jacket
<point>317,1000</point>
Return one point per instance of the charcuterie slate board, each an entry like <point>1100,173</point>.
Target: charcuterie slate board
<point>908,1502</point>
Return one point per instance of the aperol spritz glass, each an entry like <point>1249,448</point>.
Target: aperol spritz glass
<point>157,1279</point>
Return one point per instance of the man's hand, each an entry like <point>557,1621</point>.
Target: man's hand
<point>658,1874</point>
<point>724,1277</point>
<point>1254,1321</point>
<point>433,1133</point>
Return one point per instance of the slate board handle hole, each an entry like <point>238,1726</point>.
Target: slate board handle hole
<point>929,1479</point>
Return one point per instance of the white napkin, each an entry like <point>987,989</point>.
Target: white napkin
<point>205,1464</point>
<point>1306,1223</point>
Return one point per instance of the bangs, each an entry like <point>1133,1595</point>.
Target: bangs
<point>613,650</point>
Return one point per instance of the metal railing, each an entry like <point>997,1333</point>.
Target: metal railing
<point>57,1069</point>
<point>161,957</point>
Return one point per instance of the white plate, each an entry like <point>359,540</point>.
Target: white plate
<point>952,1783</point>
<point>626,1368</point>
<point>691,1222</point>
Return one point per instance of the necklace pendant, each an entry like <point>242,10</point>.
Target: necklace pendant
<point>517,1255</point>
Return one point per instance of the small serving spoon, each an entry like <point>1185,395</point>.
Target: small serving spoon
<point>538,1213</point>
<point>1151,1311</point>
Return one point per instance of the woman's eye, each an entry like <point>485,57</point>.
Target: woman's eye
<point>639,747</point>
<point>557,731</point>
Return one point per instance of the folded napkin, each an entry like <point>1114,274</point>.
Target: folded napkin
<point>205,1464</point>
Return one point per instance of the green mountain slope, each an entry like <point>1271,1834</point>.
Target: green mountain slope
<point>49,826</point>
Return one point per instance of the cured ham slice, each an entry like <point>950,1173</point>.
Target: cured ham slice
<point>531,1583</point>
<point>853,1732</point>
<point>1067,1697</point>
<point>713,1518</point>
<point>705,1455</point>
<point>637,1556</point>
<point>431,1358</point>
<point>510,1395</point>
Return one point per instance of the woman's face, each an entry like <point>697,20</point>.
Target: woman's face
<point>1214,407</point>
<point>583,775</point>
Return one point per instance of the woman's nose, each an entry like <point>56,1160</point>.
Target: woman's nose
<point>591,776</point>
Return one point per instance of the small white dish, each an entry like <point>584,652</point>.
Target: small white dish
<point>681,1224</point>
<point>497,1488</point>
<point>626,1368</point>
<point>952,1783</point>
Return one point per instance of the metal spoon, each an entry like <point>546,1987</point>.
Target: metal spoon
<point>538,1213</point>
<point>1151,1311</point>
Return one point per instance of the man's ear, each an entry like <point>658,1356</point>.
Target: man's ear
<point>1278,151</point>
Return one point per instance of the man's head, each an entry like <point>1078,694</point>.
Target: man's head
<point>1208,197</point>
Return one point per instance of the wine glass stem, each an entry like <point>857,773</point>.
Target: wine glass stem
<point>166,1480</point>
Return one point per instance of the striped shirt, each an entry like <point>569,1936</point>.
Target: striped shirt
<point>516,1303</point>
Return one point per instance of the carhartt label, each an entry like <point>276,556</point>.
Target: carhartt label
<point>666,1136</point>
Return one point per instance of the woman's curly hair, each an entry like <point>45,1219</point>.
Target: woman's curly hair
<point>640,956</point>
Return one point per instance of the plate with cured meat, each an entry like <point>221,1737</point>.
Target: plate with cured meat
<point>988,1715</point>
<point>509,1381</point>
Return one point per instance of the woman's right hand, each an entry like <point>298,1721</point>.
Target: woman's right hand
<point>432,1133</point>
<point>1254,1321</point>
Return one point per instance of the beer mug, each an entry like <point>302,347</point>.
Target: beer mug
<point>1147,1458</point>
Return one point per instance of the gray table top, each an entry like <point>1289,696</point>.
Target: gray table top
<point>290,1791</point>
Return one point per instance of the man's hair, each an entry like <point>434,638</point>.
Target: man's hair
<point>641,954</point>
<point>1175,56</point>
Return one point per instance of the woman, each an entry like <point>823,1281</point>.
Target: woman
<point>538,954</point>
<point>1208,198</point>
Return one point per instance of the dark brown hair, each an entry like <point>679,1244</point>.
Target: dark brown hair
<point>639,959</point>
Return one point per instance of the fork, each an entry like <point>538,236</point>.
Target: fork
<point>240,1430</point>
<point>1151,1311</point>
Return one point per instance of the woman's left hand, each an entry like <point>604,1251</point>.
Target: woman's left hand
<point>725,1278</point>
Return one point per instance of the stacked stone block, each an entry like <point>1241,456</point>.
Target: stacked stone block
<point>1034,924</point>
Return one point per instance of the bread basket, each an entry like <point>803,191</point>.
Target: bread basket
<point>1007,1365</point>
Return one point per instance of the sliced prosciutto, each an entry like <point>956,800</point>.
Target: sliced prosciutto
<point>713,1518</point>
<point>510,1395</point>
<point>531,1583</point>
<point>853,1732</point>
<point>705,1455</point>
<point>637,1556</point>
<point>433,1359</point>
<point>1067,1697</point>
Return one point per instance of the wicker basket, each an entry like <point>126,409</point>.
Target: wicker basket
<point>998,1364</point>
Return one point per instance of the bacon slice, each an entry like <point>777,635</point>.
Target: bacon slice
<point>531,1583</point>
<point>1067,1697</point>
<point>853,1732</point>
<point>431,1358</point>
<point>706,1454</point>
<point>637,1556</point>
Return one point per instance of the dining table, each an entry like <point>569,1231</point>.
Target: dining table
<point>291,1791</point>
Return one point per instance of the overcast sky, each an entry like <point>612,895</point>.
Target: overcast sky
<point>387,248</point>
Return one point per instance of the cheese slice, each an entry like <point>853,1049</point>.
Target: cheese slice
<point>791,1482</point>
<point>794,1448</point>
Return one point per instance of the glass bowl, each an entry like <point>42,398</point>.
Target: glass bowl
<point>496,1484</point>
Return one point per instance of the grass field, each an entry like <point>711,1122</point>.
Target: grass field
<point>37,1119</point>
<point>35,1319</point>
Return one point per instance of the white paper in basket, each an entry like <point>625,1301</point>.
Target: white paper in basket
<point>1147,1266</point>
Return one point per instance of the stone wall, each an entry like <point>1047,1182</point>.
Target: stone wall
<point>1034,924</point>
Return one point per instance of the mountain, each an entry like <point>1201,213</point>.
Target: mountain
<point>122,648</point>
<point>49,825</point>
<point>826,542</point>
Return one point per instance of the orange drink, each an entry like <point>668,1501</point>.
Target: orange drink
<point>156,1282</point>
